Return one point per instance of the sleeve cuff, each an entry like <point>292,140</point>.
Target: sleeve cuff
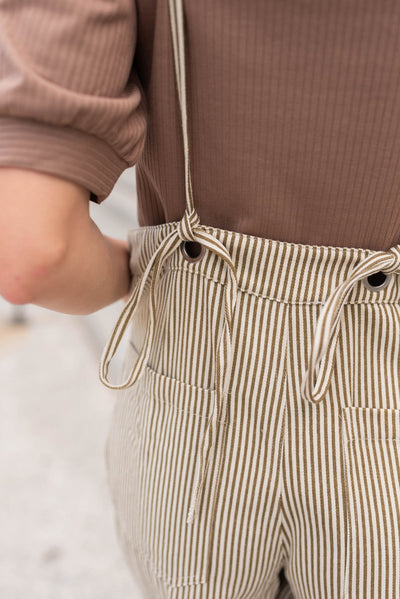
<point>61,150</point>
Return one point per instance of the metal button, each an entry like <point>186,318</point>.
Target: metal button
<point>192,250</point>
<point>377,281</point>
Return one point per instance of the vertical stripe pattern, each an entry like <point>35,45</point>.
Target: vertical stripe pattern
<point>301,500</point>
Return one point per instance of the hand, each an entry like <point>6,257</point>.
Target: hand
<point>52,254</point>
<point>124,245</point>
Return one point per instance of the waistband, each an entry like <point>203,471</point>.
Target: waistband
<point>277,270</point>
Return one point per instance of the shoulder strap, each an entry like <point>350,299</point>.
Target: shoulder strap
<point>178,39</point>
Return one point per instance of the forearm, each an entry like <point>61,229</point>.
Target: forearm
<point>93,274</point>
<point>52,254</point>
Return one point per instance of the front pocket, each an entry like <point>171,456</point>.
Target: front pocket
<point>371,445</point>
<point>153,478</point>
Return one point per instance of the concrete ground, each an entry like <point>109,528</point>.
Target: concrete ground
<point>57,537</point>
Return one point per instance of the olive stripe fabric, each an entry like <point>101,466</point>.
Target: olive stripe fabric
<point>301,500</point>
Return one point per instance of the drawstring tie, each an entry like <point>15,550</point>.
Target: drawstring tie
<point>317,377</point>
<point>188,229</point>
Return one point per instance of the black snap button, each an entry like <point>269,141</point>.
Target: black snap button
<point>377,281</point>
<point>192,250</point>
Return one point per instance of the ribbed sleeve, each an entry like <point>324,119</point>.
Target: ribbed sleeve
<point>71,103</point>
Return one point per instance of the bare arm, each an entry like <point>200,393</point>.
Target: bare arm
<point>52,254</point>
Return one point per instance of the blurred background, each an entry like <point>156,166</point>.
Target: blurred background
<point>57,538</point>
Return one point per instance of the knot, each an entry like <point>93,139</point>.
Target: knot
<point>394,254</point>
<point>190,221</point>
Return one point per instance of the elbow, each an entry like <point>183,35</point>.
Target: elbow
<point>25,271</point>
<point>15,295</point>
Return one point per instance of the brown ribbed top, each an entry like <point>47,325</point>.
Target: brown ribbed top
<point>293,110</point>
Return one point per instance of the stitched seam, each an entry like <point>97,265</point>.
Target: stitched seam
<point>173,381</point>
<point>195,388</point>
<point>171,403</point>
<point>179,382</point>
<point>267,297</point>
<point>372,439</point>
<point>171,581</point>
<point>345,475</point>
<point>282,442</point>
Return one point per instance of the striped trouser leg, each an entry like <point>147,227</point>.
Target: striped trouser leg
<point>341,499</point>
<point>300,500</point>
<point>234,548</point>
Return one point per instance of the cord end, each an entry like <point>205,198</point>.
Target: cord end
<point>191,515</point>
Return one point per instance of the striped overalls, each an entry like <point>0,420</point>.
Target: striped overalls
<point>254,451</point>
